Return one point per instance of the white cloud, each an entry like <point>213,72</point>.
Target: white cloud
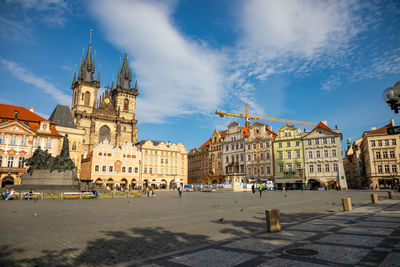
<point>30,78</point>
<point>176,75</point>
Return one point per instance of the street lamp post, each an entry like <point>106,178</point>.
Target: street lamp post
<point>392,97</point>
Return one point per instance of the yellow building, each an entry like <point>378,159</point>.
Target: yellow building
<point>288,158</point>
<point>164,165</point>
<point>111,166</point>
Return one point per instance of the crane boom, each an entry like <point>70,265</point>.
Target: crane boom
<point>249,117</point>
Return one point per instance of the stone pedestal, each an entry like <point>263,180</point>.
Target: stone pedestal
<point>53,178</point>
<point>347,204</point>
<point>390,194</point>
<point>273,219</point>
<point>374,198</point>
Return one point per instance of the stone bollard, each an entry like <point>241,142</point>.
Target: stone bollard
<point>80,195</point>
<point>347,204</point>
<point>391,194</point>
<point>62,195</point>
<point>42,195</point>
<point>273,219</point>
<point>374,198</point>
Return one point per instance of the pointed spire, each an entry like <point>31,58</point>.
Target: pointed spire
<point>74,79</point>
<point>87,68</point>
<point>112,83</point>
<point>98,75</point>
<point>136,85</point>
<point>124,74</point>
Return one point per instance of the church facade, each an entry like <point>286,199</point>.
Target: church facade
<point>109,116</point>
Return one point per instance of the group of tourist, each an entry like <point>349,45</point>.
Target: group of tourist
<point>10,193</point>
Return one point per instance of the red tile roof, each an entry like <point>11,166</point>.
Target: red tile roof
<point>222,133</point>
<point>380,130</point>
<point>323,126</point>
<point>245,131</point>
<point>7,112</point>
<point>90,155</point>
<point>205,144</point>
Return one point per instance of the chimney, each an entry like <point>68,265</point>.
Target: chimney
<point>373,128</point>
<point>31,109</point>
<point>325,122</point>
<point>392,121</point>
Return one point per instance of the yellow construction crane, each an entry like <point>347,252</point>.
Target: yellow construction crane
<point>249,117</point>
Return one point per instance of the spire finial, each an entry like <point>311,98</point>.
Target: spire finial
<point>90,38</point>
<point>126,47</point>
<point>83,52</point>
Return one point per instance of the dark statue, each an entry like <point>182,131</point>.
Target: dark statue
<point>42,160</point>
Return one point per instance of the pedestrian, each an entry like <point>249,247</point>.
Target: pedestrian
<point>5,194</point>
<point>11,194</point>
<point>253,191</point>
<point>180,189</point>
<point>148,191</point>
<point>153,192</point>
<point>30,193</point>
<point>260,188</point>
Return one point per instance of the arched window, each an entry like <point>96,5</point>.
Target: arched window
<point>87,98</point>
<point>83,95</point>
<point>126,104</point>
<point>74,146</point>
<point>104,133</point>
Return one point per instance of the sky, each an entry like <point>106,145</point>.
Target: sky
<point>308,60</point>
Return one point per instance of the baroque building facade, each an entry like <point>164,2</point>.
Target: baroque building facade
<point>259,153</point>
<point>353,166</point>
<point>288,158</point>
<point>215,157</point>
<point>21,132</point>
<point>198,164</point>
<point>112,117</point>
<point>323,157</point>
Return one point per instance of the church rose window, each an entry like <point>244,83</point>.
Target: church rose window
<point>104,133</point>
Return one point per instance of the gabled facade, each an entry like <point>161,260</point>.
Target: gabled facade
<point>288,158</point>
<point>353,166</point>
<point>323,158</point>
<point>259,153</point>
<point>21,132</point>
<point>380,157</point>
<point>233,153</point>
<point>198,164</point>
<point>215,157</point>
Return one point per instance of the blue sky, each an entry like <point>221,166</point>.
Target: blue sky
<point>308,60</point>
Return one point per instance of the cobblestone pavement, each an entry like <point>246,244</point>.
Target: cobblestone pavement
<point>131,231</point>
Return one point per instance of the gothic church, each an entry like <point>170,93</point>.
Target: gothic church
<point>110,116</point>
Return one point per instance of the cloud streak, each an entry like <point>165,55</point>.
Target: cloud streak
<point>176,75</point>
<point>30,78</point>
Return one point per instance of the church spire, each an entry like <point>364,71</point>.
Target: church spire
<point>87,67</point>
<point>124,74</point>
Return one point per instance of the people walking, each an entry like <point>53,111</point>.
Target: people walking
<point>30,193</point>
<point>260,188</point>
<point>153,192</point>
<point>253,191</point>
<point>180,189</point>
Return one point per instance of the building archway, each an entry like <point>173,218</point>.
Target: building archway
<point>133,184</point>
<point>104,133</point>
<point>163,184</point>
<point>172,184</point>
<point>214,181</point>
<point>110,184</point>
<point>124,183</point>
<point>6,181</point>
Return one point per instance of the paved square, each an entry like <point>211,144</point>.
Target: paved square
<point>258,244</point>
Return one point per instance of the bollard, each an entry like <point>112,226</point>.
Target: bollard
<point>80,195</point>
<point>347,204</point>
<point>374,198</point>
<point>62,195</point>
<point>273,221</point>
<point>112,195</point>
<point>42,195</point>
<point>391,194</point>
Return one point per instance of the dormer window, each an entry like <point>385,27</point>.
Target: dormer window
<point>44,126</point>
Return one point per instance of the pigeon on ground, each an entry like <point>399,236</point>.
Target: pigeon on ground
<point>235,201</point>
<point>285,195</point>
<point>242,210</point>
<point>221,220</point>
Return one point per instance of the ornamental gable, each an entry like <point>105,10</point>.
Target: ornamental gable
<point>15,127</point>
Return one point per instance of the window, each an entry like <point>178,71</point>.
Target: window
<point>237,146</point>
<point>310,154</point>
<point>335,167</point>
<point>44,126</point>
<point>249,171</point>
<point>393,142</point>
<point>385,154</point>
<point>36,143</point>
<point>297,154</point>
<point>1,160</point>
<point>166,161</point>
<point>232,147</point>
<point>126,104</point>
<point>48,143</point>
<point>391,154</point>
<point>309,142</point>
<point>136,169</point>
<point>327,168</point>
<point>326,153</point>
<point>379,142</point>
<point>162,161</point>
<point>241,145</point>
<point>261,145</point>
<point>104,169</point>
<point>248,147</point>
<point>21,162</point>
<point>261,156</point>
<point>87,98</point>
<point>333,140</point>
<point>13,140</point>
<point>267,144</point>
<point>333,152</point>
<point>386,142</point>
<point>394,168</point>
<point>279,145</point>
<point>227,159</point>
<point>317,141</point>
<point>289,168</point>
<point>268,169</point>
<point>110,169</point>
<point>248,157</point>
<point>280,168</point>
<point>74,146</point>
<point>145,170</point>
<point>378,155</point>
<point>280,155</point>
<point>10,162</point>
<point>123,169</point>
<point>311,168</point>
<point>96,168</point>
<point>319,169</point>
<point>288,144</point>
<point>297,143</point>
<point>387,168</point>
<point>289,155</point>
<point>150,170</point>
<point>317,154</point>
<point>254,146</point>
<point>298,166</point>
<point>255,170</point>
<point>325,141</point>
<point>241,157</point>
<point>379,168</point>
<point>267,155</point>
<point>372,143</point>
<point>2,139</point>
<point>254,156</point>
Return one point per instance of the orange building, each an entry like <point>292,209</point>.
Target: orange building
<point>21,132</point>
